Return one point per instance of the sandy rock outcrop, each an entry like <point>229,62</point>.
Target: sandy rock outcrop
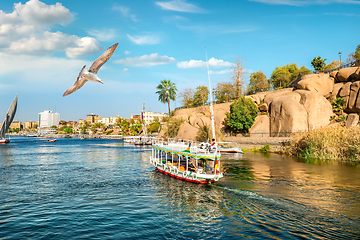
<point>317,107</point>
<point>261,127</point>
<point>187,131</point>
<point>321,83</point>
<point>344,74</point>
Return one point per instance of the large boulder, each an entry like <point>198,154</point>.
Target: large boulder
<point>261,127</point>
<point>344,74</point>
<point>321,83</point>
<point>317,107</point>
<point>335,92</point>
<point>287,115</point>
<point>271,95</point>
<point>345,92</point>
<point>354,90</point>
<point>352,120</point>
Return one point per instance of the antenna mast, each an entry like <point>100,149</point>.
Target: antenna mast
<point>211,99</point>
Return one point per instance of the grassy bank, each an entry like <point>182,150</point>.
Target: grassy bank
<point>333,143</point>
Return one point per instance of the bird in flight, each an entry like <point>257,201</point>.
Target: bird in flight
<point>91,75</point>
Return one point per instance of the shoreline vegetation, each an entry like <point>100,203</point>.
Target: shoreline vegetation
<point>331,143</point>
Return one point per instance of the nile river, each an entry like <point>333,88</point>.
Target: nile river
<point>107,189</point>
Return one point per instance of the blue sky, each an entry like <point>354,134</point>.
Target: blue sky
<point>44,44</point>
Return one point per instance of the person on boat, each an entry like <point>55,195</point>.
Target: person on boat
<point>213,145</point>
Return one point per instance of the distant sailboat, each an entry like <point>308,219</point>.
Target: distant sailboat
<point>9,117</point>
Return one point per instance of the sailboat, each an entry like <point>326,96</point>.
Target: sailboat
<point>9,117</point>
<point>189,160</point>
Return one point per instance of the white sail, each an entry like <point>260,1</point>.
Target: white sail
<point>9,117</point>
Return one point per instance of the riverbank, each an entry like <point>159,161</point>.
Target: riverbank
<point>248,143</point>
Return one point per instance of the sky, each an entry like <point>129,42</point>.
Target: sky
<point>44,44</point>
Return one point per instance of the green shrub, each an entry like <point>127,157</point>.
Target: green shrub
<point>203,134</point>
<point>154,127</point>
<point>338,104</point>
<point>341,118</point>
<point>242,115</point>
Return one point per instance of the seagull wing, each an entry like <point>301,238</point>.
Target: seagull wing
<point>103,59</point>
<point>80,81</point>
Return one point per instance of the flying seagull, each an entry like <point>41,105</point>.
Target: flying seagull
<point>90,75</point>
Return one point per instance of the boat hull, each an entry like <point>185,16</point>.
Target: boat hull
<point>4,141</point>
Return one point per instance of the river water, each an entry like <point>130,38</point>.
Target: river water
<point>107,189</point>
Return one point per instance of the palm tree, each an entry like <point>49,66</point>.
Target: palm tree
<point>167,92</point>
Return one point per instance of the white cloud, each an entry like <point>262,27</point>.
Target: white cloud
<point>127,52</point>
<point>6,18</point>
<point>213,63</point>
<point>125,11</point>
<point>147,39</point>
<point>180,6</point>
<point>305,2</point>
<point>50,42</point>
<point>103,35</point>
<point>146,60</point>
<point>85,46</point>
<point>38,13</point>
<point>125,69</point>
<point>26,31</point>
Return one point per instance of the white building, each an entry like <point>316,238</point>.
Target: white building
<point>48,119</point>
<point>149,117</point>
<point>109,121</point>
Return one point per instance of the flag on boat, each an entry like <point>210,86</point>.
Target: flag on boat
<point>188,149</point>
<point>216,165</point>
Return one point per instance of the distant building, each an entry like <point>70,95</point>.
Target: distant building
<point>15,125</point>
<point>92,118</point>
<point>48,119</point>
<point>29,125</point>
<point>150,117</point>
<point>135,117</point>
<point>109,121</point>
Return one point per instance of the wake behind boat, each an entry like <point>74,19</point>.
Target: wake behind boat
<point>9,117</point>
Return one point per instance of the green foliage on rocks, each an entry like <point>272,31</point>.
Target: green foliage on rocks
<point>242,115</point>
<point>318,63</point>
<point>203,134</point>
<point>282,76</point>
<point>173,126</point>
<point>258,83</point>
<point>338,104</point>
<point>200,96</point>
<point>357,53</point>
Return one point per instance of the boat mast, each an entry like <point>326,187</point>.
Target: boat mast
<point>211,100</point>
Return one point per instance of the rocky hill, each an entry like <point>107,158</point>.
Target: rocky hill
<point>304,106</point>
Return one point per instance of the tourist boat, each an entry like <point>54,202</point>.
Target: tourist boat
<point>142,141</point>
<point>131,139</point>
<point>52,140</point>
<point>186,160</point>
<point>9,117</point>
